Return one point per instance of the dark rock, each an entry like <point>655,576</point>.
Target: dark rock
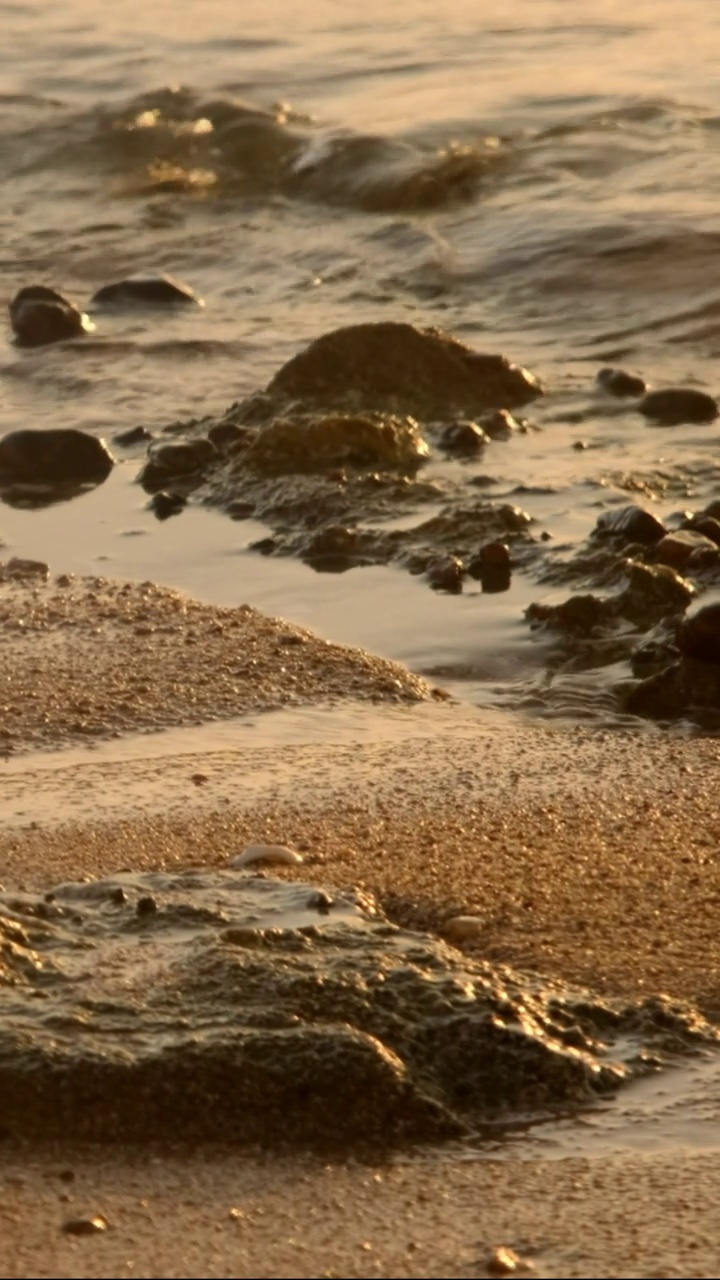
<point>699,635</point>
<point>465,439</point>
<point>712,510</point>
<point>617,382</point>
<point>146,906</point>
<point>168,462</point>
<point>631,523</point>
<point>579,615</point>
<point>671,406</point>
<point>688,689</point>
<point>492,567</point>
<point>228,437</point>
<point>39,316</point>
<point>134,435</point>
<point>85,1226</point>
<point>145,291</point>
<point>167,504</point>
<point>54,456</point>
<point>682,546</point>
<point>265,546</point>
<point>708,526</point>
<point>653,592</point>
<point>397,368</point>
<point>446,575</point>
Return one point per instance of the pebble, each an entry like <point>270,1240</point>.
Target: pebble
<point>620,383</point>
<point>506,1262</point>
<point>672,406</point>
<point>278,853</point>
<point>463,928</point>
<point>85,1226</point>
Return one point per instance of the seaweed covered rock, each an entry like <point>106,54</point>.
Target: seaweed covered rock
<point>394,367</point>
<point>307,444</point>
<point>40,315</point>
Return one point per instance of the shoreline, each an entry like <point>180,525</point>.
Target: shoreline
<point>589,857</point>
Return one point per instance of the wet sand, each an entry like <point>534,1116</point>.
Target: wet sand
<point>590,857</point>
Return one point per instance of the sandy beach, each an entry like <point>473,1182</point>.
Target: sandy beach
<point>592,858</point>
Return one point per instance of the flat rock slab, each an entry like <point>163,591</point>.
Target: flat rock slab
<point>241,1008</point>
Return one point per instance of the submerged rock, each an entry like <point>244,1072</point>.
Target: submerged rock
<point>671,406</point>
<point>145,291</point>
<point>446,575</point>
<point>57,456</point>
<point>172,462</point>
<point>165,505</point>
<point>620,383</point>
<point>39,316</point>
<point>306,445</point>
<point>264,1011</point>
<point>396,368</point>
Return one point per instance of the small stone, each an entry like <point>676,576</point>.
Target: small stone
<point>199,778</point>
<point>632,523</point>
<point>699,635</point>
<point>16,568</point>
<point>506,1262</point>
<point>464,438</point>
<point>55,456</point>
<point>463,928</point>
<point>278,853</point>
<point>166,505</point>
<point>67,1175</point>
<point>499,424</point>
<point>672,406</point>
<point>446,575</point>
<point>146,906</point>
<point>617,382</point>
<point>85,1226</point>
<point>133,435</point>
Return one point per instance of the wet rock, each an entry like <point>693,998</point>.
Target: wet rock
<point>24,570</point>
<point>579,615</point>
<point>500,424</point>
<point>689,689</point>
<point>712,510</point>
<point>699,635</point>
<point>253,1016</point>
<point>85,1226</point>
<point>631,523</point>
<point>620,383</point>
<point>446,575</point>
<point>672,406</point>
<point>228,437</point>
<point>39,316</point>
<point>145,291</point>
<point>492,567</point>
<point>396,368</point>
<point>464,439</point>
<point>708,526</point>
<point>335,549</point>
<point>168,462</point>
<point>166,505</point>
<point>653,592</point>
<point>682,546</point>
<point>504,1261</point>
<point>146,906</point>
<point>277,853</point>
<point>54,456</point>
<point>134,435</point>
<point>306,445</point>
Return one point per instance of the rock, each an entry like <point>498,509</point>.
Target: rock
<point>578,615</point>
<point>708,526</point>
<point>492,567</point>
<point>273,853</point>
<point>465,439</point>
<point>167,462</point>
<point>631,523</point>
<point>54,456</point>
<point>679,547</point>
<point>85,1226</point>
<point>446,575</point>
<point>306,445</point>
<point>699,635</point>
<point>463,929</point>
<point>25,570</point>
<point>133,435</point>
<point>396,368</point>
<point>652,593</point>
<point>674,405</point>
<point>167,504</point>
<point>39,316</point>
<point>712,510</point>
<point>617,382</point>
<point>228,437</point>
<point>145,291</point>
<point>689,689</point>
<point>506,1262</point>
<point>500,424</point>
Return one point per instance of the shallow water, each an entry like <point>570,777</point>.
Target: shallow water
<point>543,182</point>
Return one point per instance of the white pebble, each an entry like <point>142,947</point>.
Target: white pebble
<point>463,928</point>
<point>266,853</point>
